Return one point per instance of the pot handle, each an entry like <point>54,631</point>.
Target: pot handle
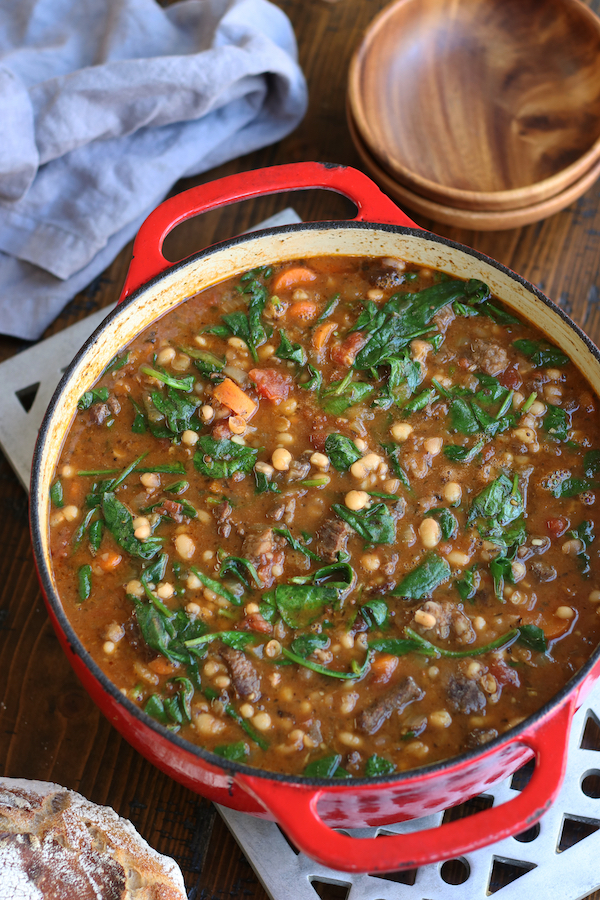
<point>148,260</point>
<point>294,807</point>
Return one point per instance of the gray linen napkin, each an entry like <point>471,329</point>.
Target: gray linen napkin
<point>104,105</point>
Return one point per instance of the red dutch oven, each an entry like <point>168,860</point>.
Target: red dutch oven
<point>314,811</point>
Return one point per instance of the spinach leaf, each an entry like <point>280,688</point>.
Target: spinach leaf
<point>95,395</point>
<point>447,520</point>
<point>500,501</point>
<point>542,353</point>
<point>236,752</point>
<point>216,586</point>
<point>140,422</point>
<point>329,308</point>
<point>458,453</point>
<point>326,767</point>
<point>240,568</point>
<point>393,452</point>
<point>591,463</point>
<point>378,765</point>
<point>556,424</point>
<point>155,572</point>
<point>264,484</point>
<point>462,418</point>
<point>166,632</point>
<point>427,648</point>
<point>57,495</point>
<point>356,671</point>
<point>571,487</point>
<point>420,401</point>
<point>295,544</point>
<point>394,646</point>
<point>375,613</point>
<point>119,522</point>
<point>116,363</point>
<point>342,451</point>
<point>300,604</point>
<point>84,582</point>
<point>287,350</point>
<point>424,578</point>
<point>238,640</point>
<point>95,533</point>
<point>586,534</point>
<point>336,398</point>
<point>208,364</point>
<point>468,585</point>
<point>532,636</point>
<point>311,380</point>
<point>375,525</point>
<point>501,571</point>
<point>221,458</point>
<point>179,384</point>
<point>177,410</point>
<point>401,319</point>
<point>308,643</point>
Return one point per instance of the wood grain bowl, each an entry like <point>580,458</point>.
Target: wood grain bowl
<point>480,104</point>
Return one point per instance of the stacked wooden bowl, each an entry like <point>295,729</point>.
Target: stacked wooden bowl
<point>483,114</point>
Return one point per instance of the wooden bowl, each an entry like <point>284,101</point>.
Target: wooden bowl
<point>478,220</point>
<point>480,104</point>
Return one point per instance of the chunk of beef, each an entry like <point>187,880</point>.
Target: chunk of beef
<point>449,621</point>
<point>371,719</point>
<point>222,513</point>
<point>535,545</point>
<point>170,508</point>
<point>99,412</point>
<point>114,405</point>
<point>489,356</point>
<point>386,278</point>
<point>464,696</point>
<point>264,550</point>
<point>542,570</point>
<point>222,432</point>
<point>332,537</point>
<point>299,470</point>
<point>480,736</point>
<point>244,676</point>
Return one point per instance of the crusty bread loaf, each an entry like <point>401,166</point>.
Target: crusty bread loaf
<point>56,845</point>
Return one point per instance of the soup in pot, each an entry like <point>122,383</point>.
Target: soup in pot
<point>335,517</point>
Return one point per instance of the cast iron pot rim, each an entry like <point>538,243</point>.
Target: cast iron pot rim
<point>53,600</point>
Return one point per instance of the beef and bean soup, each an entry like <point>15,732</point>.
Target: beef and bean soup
<point>334,517</point>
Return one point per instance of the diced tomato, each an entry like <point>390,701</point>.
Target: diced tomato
<point>345,353</point>
<point>511,378</point>
<point>255,622</point>
<point>557,527</point>
<point>504,674</point>
<point>271,384</point>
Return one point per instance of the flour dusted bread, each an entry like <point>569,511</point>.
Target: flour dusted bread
<point>56,845</point>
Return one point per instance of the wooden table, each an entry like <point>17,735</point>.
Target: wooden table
<point>49,728</point>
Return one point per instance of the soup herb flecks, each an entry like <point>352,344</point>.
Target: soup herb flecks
<point>336,517</point>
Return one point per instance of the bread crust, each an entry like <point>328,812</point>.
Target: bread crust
<point>56,845</point>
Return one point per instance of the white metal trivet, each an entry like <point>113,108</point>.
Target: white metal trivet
<point>543,870</point>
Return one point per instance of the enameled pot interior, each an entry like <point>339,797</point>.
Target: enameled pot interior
<point>226,260</point>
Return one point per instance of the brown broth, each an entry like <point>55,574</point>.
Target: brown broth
<point>499,549</point>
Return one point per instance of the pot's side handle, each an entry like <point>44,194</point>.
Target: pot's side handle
<point>148,260</point>
<point>295,809</point>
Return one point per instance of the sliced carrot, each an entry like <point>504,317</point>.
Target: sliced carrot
<point>294,275</point>
<point>161,666</point>
<point>229,394</point>
<point>382,667</point>
<point>108,560</point>
<point>305,310</point>
<point>322,334</point>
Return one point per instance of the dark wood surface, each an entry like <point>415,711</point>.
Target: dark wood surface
<point>49,729</point>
